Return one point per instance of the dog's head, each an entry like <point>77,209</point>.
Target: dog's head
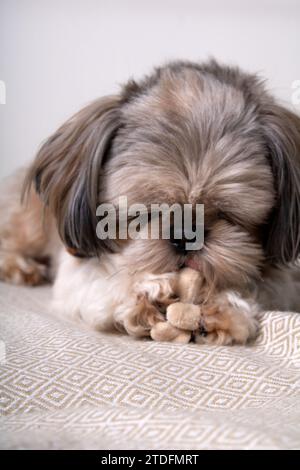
<point>187,134</point>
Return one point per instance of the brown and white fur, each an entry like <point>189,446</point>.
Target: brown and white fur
<point>188,133</point>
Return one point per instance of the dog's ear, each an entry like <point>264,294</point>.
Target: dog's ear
<point>282,133</point>
<point>67,172</point>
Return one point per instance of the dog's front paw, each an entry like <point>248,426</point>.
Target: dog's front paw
<point>16,269</point>
<point>227,320</point>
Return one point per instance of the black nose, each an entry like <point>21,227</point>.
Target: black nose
<point>178,245</point>
<point>179,241</point>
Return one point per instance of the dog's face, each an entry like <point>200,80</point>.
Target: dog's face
<point>187,134</point>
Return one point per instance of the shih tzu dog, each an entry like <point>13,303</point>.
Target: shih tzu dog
<point>187,134</point>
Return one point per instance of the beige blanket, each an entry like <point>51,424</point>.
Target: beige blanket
<point>65,387</point>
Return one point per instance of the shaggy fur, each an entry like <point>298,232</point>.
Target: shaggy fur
<point>189,133</point>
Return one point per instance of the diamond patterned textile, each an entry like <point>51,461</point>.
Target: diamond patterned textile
<point>63,386</point>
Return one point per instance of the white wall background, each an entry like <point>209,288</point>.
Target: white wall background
<point>57,55</point>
